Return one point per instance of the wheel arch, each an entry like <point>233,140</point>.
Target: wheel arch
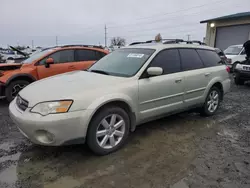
<point>119,103</point>
<point>216,82</point>
<point>15,77</point>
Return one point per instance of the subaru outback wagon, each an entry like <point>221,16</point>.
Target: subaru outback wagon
<point>128,87</point>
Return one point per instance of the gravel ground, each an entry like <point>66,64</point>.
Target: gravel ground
<point>181,151</point>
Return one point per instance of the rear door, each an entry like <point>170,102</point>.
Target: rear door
<point>63,60</point>
<point>196,76</point>
<point>84,58</point>
<point>162,94</point>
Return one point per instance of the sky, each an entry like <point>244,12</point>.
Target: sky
<point>83,21</point>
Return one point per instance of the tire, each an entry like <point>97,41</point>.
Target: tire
<point>233,67</point>
<point>205,111</point>
<point>9,89</point>
<point>94,142</point>
<point>238,80</point>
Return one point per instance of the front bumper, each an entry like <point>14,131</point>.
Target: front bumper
<point>53,129</point>
<point>244,75</point>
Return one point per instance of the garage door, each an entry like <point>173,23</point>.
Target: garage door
<point>231,35</point>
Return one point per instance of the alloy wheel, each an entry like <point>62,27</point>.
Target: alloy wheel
<point>213,101</point>
<point>110,131</point>
<point>16,89</point>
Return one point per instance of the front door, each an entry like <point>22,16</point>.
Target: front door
<point>162,94</point>
<point>63,62</point>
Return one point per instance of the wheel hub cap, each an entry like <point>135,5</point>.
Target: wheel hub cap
<point>213,101</point>
<point>110,131</point>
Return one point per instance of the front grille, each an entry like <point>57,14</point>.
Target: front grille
<point>22,103</point>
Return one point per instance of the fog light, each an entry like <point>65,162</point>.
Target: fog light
<point>44,137</point>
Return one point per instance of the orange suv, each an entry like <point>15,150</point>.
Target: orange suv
<point>49,62</point>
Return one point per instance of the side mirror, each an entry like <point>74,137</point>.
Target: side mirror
<point>154,71</point>
<point>48,62</point>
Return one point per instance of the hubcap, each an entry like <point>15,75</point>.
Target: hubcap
<point>110,131</point>
<point>213,101</point>
<point>16,89</point>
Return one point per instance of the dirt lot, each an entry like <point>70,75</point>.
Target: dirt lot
<point>180,151</point>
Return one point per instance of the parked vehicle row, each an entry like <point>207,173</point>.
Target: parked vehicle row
<point>49,62</point>
<point>103,104</point>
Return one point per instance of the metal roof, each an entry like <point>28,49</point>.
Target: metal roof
<point>232,16</point>
<point>160,46</point>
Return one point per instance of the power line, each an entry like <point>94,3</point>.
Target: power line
<point>166,14</point>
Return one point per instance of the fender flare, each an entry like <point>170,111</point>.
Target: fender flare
<point>97,104</point>
<point>20,75</point>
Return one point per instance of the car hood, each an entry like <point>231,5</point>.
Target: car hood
<point>72,85</point>
<point>231,56</point>
<point>9,66</point>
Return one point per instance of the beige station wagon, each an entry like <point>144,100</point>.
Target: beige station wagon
<point>130,86</point>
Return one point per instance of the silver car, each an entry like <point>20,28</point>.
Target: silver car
<point>128,87</point>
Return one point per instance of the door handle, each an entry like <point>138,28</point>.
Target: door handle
<point>72,67</point>
<point>207,74</point>
<point>178,80</point>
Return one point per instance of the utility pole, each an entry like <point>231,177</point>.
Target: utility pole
<point>32,44</point>
<point>105,35</point>
<point>56,41</point>
<point>189,37</point>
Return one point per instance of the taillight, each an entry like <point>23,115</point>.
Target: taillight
<point>229,61</point>
<point>228,69</point>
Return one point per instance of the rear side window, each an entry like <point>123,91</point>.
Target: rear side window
<point>168,60</point>
<point>88,55</point>
<point>190,59</point>
<point>209,58</point>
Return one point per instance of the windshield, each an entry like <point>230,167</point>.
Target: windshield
<point>124,62</point>
<point>233,50</point>
<point>37,55</point>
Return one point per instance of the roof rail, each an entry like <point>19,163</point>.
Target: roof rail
<point>81,45</point>
<point>170,41</point>
<point>135,43</point>
<point>187,42</point>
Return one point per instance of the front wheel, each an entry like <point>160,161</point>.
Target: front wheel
<point>108,130</point>
<point>14,88</point>
<point>212,102</point>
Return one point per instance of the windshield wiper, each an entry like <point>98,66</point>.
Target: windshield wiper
<point>100,71</point>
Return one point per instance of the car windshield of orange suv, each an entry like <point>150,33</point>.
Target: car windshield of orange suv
<point>49,62</point>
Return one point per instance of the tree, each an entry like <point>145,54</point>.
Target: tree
<point>118,41</point>
<point>158,37</point>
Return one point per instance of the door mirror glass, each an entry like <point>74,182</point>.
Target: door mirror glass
<point>50,61</point>
<point>154,71</point>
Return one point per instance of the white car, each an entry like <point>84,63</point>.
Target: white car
<point>128,87</point>
<point>235,54</point>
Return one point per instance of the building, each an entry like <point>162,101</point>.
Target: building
<point>228,30</point>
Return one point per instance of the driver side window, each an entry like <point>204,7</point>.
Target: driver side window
<point>63,56</point>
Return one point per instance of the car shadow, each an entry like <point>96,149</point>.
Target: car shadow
<point>39,165</point>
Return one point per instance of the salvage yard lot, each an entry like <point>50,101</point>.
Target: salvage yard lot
<point>185,150</point>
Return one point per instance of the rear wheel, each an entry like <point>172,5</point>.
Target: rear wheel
<point>212,102</point>
<point>108,130</point>
<point>14,88</point>
<point>238,80</point>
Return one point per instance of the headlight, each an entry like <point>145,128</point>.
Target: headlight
<point>52,107</point>
<point>239,66</point>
